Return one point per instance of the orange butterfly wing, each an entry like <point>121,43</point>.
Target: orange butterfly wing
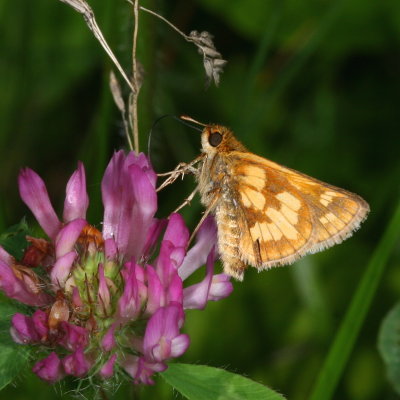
<point>273,215</point>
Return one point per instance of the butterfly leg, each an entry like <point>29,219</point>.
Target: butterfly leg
<point>208,210</point>
<point>180,170</point>
<point>187,200</point>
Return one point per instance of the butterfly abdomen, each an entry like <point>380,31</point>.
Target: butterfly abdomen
<point>229,236</point>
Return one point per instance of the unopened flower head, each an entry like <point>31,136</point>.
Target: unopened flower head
<point>107,302</point>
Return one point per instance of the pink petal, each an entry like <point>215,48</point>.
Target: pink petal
<point>162,327</point>
<point>110,249</point>
<point>104,292</point>
<point>177,232</point>
<point>153,233</point>
<point>76,199</point>
<point>62,268</point>
<point>174,292</point>
<point>166,269</point>
<point>179,345</point>
<point>76,298</point>
<point>166,264</point>
<point>129,304</point>
<point>114,193</point>
<point>142,161</point>
<point>108,341</point>
<point>130,202</point>
<point>107,369</point>
<point>34,194</point>
<point>155,290</point>
<point>197,255</point>
<point>162,350</point>
<point>76,364</point>
<point>5,257</point>
<point>178,255</point>
<point>40,320</point>
<point>146,369</point>
<point>221,287</point>
<point>130,364</point>
<point>23,329</point>
<point>145,206</point>
<point>74,337</point>
<point>67,237</point>
<point>49,369</point>
<point>195,296</point>
<point>20,290</point>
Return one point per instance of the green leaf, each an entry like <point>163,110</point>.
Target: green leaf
<point>200,382</point>
<point>389,345</point>
<point>14,239</point>
<point>13,357</point>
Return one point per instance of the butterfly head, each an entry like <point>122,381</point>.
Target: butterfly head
<point>218,138</point>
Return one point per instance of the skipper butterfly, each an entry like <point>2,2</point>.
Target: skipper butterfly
<point>267,215</point>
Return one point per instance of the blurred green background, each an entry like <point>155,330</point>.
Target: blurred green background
<point>314,85</point>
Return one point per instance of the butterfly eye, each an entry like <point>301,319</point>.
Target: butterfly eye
<point>215,139</point>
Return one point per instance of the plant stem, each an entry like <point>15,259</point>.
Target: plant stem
<point>135,79</point>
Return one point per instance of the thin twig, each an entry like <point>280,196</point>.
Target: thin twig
<point>186,37</point>
<point>83,8</point>
<point>135,79</point>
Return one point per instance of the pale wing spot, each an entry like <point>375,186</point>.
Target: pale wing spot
<point>254,176</point>
<point>300,185</point>
<point>290,215</point>
<point>327,196</point>
<point>255,181</point>
<point>324,202</point>
<point>335,220</point>
<point>333,194</point>
<point>275,231</point>
<point>293,202</point>
<point>255,198</point>
<point>281,223</point>
<point>260,231</point>
<point>323,220</point>
<point>245,200</point>
<point>299,181</point>
<point>255,171</point>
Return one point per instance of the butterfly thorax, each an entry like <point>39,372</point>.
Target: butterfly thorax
<point>218,190</point>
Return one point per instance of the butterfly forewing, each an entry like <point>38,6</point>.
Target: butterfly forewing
<point>283,214</point>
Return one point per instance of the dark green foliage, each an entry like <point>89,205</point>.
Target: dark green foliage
<point>389,345</point>
<point>313,85</point>
<point>13,239</point>
<point>13,357</point>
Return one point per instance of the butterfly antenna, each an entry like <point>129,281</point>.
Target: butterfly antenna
<point>190,119</point>
<point>181,119</point>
